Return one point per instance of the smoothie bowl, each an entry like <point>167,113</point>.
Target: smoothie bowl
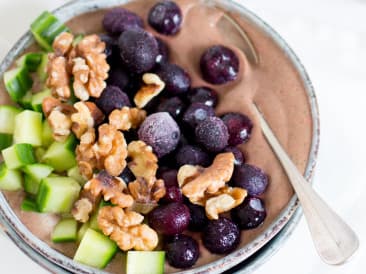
<point>130,142</point>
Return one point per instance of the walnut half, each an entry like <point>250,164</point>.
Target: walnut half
<point>152,87</point>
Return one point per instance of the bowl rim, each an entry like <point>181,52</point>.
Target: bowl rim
<point>286,221</point>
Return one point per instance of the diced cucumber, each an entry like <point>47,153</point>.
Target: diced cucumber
<point>29,205</point>
<point>42,69</point>
<point>61,156</point>
<point>33,176</point>
<point>31,186</point>
<point>65,231</point>
<point>7,118</point>
<point>37,99</point>
<point>17,82</point>
<point>82,231</point>
<point>6,140</point>
<point>94,221</point>
<point>28,128</point>
<point>18,155</point>
<point>39,152</point>
<point>30,60</point>
<point>145,262</point>
<point>46,28</point>
<point>75,174</point>
<point>26,100</point>
<point>10,179</point>
<point>95,249</point>
<point>47,138</point>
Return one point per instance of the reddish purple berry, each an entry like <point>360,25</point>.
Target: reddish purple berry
<point>212,134</point>
<point>239,127</point>
<point>169,219</point>
<point>112,98</point>
<point>163,56</point>
<point>252,178</point>
<point>169,176</point>
<point>165,17</point>
<point>219,65</point>
<point>119,20</point>
<point>182,251</point>
<point>174,106</point>
<point>118,77</point>
<point>192,155</point>
<point>110,44</point>
<point>250,214</point>
<point>204,95</point>
<point>198,220</point>
<point>176,79</point>
<point>196,113</point>
<point>173,195</point>
<point>238,155</point>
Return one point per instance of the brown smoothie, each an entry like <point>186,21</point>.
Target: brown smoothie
<point>273,84</point>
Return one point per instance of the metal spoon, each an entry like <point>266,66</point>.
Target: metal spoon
<point>334,240</point>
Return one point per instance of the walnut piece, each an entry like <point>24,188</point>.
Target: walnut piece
<point>87,116</point>
<point>152,87</point>
<point>126,229</point>
<point>147,192</point>
<point>63,43</point>
<point>127,118</point>
<point>58,78</point>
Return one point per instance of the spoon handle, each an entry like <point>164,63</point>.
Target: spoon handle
<point>334,240</point>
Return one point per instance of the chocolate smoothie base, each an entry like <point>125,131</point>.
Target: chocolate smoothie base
<point>273,84</point>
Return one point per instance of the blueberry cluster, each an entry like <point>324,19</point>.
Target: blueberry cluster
<point>182,128</point>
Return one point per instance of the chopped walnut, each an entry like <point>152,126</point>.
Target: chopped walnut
<point>63,43</point>
<point>152,87</point>
<point>85,205</point>
<point>125,228</point>
<point>147,192</point>
<point>188,173</point>
<point>87,116</point>
<point>58,78</point>
<point>127,118</point>
<point>81,71</point>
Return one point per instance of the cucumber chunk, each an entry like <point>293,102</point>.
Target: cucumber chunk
<point>6,140</point>
<point>65,231</point>
<point>47,138</point>
<point>28,128</point>
<point>145,262</point>
<point>30,60</point>
<point>57,194</point>
<point>95,249</point>
<point>7,118</point>
<point>18,155</point>
<point>75,174</point>
<point>33,176</point>
<point>17,82</point>
<point>61,156</point>
<point>26,100</point>
<point>29,205</point>
<point>37,99</point>
<point>82,231</point>
<point>39,152</point>
<point>46,28</point>
<point>42,68</point>
<point>10,179</point>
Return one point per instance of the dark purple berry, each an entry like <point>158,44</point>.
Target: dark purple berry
<point>110,44</point>
<point>239,127</point>
<point>192,155</point>
<point>238,155</point>
<point>173,195</point>
<point>131,135</point>
<point>118,77</point>
<point>176,79</point>
<point>165,17</point>
<point>203,95</point>
<point>169,176</point>
<point>221,236</point>
<point>112,98</point>
<point>198,220</point>
<point>252,178</point>
<point>139,50</point>
<point>127,176</point>
<point>163,56</point>
<point>250,214</point>
<point>182,251</point>
<point>174,106</point>
<point>161,132</point>
<point>196,113</point>
<point>212,134</point>
<point>219,65</point>
<point>119,20</point>
<point>169,219</point>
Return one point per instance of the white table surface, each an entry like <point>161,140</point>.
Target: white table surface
<point>329,36</point>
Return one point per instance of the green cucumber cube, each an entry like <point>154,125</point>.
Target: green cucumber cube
<point>28,128</point>
<point>30,60</point>
<point>6,140</point>
<point>10,179</point>
<point>47,135</point>
<point>65,231</point>
<point>82,231</point>
<point>75,174</point>
<point>29,205</point>
<point>95,249</point>
<point>37,99</point>
<point>18,155</point>
<point>7,118</point>
<point>17,82</point>
<point>30,185</point>
<point>33,176</point>
<point>57,194</point>
<point>39,152</point>
<point>145,262</point>
<point>61,156</point>
<point>26,100</point>
<point>42,69</point>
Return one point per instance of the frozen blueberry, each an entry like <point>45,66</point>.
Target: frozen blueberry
<point>192,155</point>
<point>127,176</point>
<point>138,49</point>
<point>174,106</point>
<point>238,154</point>
<point>239,127</point>
<point>198,220</point>
<point>161,132</point>
<point>196,113</point>
<point>219,65</point>
<point>119,20</point>
<point>163,56</point>
<point>212,134</point>
<point>182,251</point>
<point>118,77</point>
<point>131,135</point>
<point>112,98</point>
<point>169,219</point>
<point>252,178</point>
<point>110,44</point>
<point>173,195</point>
<point>177,81</point>
<point>221,236</point>
<point>169,176</point>
<point>165,17</point>
<point>250,214</point>
<point>204,95</point>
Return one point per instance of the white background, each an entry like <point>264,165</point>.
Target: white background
<point>329,36</point>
